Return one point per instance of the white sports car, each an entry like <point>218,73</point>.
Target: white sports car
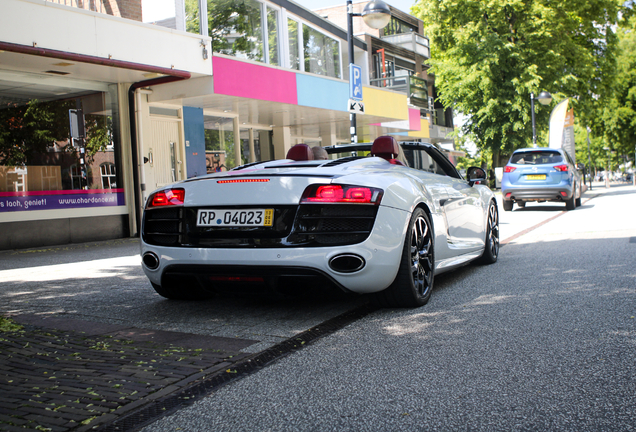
<point>365,224</point>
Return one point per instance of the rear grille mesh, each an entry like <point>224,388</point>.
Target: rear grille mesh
<point>334,224</point>
<point>163,227</point>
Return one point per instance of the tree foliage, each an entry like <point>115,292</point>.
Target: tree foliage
<point>618,125</point>
<point>489,56</point>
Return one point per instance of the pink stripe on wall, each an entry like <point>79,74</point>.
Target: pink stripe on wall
<point>414,120</point>
<point>61,192</point>
<point>236,78</point>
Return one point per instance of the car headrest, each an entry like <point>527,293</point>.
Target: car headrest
<point>300,152</point>
<point>385,147</point>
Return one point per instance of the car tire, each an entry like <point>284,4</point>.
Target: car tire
<point>521,204</point>
<point>507,205</point>
<point>571,203</point>
<point>185,288</point>
<point>578,200</point>
<point>413,283</point>
<point>491,244</point>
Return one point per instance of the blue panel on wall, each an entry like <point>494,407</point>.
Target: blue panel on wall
<point>322,92</point>
<point>195,141</point>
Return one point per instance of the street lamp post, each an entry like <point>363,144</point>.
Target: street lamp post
<point>544,98</point>
<point>376,14</point>
<point>607,183</point>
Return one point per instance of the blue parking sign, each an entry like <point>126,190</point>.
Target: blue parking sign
<point>355,82</point>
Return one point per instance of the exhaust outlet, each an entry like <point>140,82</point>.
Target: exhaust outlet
<point>346,263</point>
<point>150,260</point>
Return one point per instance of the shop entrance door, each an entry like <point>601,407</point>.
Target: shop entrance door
<point>167,155</point>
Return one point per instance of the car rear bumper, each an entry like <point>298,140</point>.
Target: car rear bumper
<point>380,254</point>
<point>537,194</point>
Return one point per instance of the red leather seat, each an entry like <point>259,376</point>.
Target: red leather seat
<point>387,148</point>
<point>300,152</point>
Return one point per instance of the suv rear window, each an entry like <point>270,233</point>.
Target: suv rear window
<point>536,158</point>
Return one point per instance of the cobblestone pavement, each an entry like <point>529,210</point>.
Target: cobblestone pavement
<point>100,350</point>
<point>62,380</point>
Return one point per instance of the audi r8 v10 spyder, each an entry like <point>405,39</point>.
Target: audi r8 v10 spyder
<point>364,224</point>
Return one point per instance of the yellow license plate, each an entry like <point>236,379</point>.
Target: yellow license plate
<point>535,177</point>
<point>235,218</point>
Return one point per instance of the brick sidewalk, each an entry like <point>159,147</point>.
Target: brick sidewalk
<point>66,380</point>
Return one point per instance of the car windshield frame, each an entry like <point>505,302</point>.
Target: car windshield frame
<point>443,166</point>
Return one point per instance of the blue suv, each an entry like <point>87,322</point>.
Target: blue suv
<point>540,174</point>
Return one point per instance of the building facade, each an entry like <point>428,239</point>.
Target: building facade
<point>94,118</point>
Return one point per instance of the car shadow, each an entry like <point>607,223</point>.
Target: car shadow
<point>539,208</point>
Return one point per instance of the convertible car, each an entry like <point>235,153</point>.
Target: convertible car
<point>368,224</point>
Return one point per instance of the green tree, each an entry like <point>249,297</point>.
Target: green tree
<point>618,125</point>
<point>489,56</point>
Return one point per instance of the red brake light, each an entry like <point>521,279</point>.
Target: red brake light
<point>509,168</point>
<point>341,194</point>
<point>562,168</point>
<point>168,197</point>
<point>243,181</point>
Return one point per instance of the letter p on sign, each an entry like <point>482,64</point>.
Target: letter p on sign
<point>355,82</point>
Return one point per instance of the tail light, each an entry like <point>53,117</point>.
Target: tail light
<point>341,194</point>
<point>562,168</point>
<point>508,169</point>
<point>168,197</point>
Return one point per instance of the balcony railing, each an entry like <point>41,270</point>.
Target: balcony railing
<point>416,89</point>
<point>411,41</point>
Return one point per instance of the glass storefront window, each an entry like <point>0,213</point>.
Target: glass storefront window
<point>322,53</point>
<point>294,44</point>
<point>219,144</point>
<point>49,161</point>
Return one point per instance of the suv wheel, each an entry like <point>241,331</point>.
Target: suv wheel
<point>507,205</point>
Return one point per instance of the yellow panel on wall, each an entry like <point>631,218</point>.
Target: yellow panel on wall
<point>383,103</point>
<point>424,132</point>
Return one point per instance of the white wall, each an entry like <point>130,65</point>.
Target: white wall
<point>78,31</point>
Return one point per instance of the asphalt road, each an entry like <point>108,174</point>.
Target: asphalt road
<point>545,339</point>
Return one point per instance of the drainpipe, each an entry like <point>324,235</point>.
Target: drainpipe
<point>138,174</point>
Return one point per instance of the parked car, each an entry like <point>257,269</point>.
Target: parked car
<point>541,174</point>
<point>364,224</point>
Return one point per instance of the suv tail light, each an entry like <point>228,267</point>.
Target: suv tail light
<point>168,197</point>
<point>562,168</point>
<point>342,194</point>
<point>508,169</point>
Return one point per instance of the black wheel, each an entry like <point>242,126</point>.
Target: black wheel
<point>491,246</point>
<point>521,204</point>
<point>183,288</point>
<point>571,203</point>
<point>507,205</point>
<point>414,281</point>
<point>577,202</point>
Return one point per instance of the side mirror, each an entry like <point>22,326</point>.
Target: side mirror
<point>580,166</point>
<point>476,175</point>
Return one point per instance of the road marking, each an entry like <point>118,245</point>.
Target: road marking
<point>540,224</point>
